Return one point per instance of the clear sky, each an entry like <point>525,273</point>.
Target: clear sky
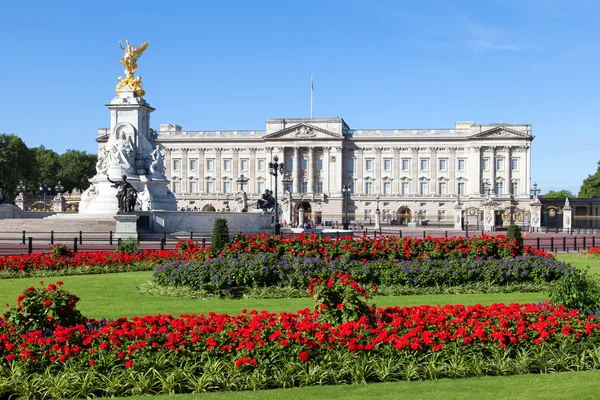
<point>378,64</point>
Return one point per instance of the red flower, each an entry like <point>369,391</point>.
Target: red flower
<point>304,356</point>
<point>92,362</point>
<point>129,364</point>
<point>47,303</point>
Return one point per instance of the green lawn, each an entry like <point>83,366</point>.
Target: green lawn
<point>114,295</point>
<point>580,262</point>
<point>567,385</point>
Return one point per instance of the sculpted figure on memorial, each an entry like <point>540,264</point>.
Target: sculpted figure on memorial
<point>157,165</point>
<point>241,201</point>
<point>102,163</point>
<point>129,60</point>
<point>122,152</point>
<point>126,194</point>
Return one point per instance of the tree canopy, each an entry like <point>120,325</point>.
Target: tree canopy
<point>559,194</point>
<point>591,185</point>
<point>16,162</point>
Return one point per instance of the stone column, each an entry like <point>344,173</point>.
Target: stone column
<point>251,184</point>
<point>396,171</point>
<point>377,186</point>
<point>337,182</point>
<point>300,216</point>
<point>201,161</point>
<point>59,203</point>
<point>268,176</point>
<point>184,171</point>
<point>296,169</point>
<point>567,216</point>
<point>377,218</point>
<point>235,168</point>
<point>218,167</point>
<point>453,184</point>
<point>414,171</point>
<point>311,170</point>
<point>168,163</point>
<point>280,153</point>
<point>474,170</point>
<point>360,168</point>
<point>433,189</point>
<point>493,169</point>
<point>535,208</point>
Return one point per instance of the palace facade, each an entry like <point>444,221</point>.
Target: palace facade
<point>422,175</point>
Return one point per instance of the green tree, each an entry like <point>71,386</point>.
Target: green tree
<point>16,162</point>
<point>559,194</point>
<point>46,168</point>
<point>220,235</point>
<point>591,185</point>
<point>75,167</point>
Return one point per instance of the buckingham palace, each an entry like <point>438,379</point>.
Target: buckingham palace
<point>407,175</point>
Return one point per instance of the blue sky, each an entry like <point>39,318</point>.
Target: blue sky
<point>378,64</point>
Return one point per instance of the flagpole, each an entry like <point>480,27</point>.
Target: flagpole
<point>312,87</point>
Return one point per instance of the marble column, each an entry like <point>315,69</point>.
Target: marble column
<point>251,184</point>
<point>378,187</point>
<point>359,188</point>
<point>235,168</point>
<point>295,169</point>
<point>414,171</point>
<point>185,186</point>
<point>433,189</point>
<point>457,217</point>
<point>396,171</point>
<point>474,170</point>
<point>218,168</point>
<point>311,170</point>
<point>201,161</point>
<point>452,188</point>
<point>326,170</point>
<point>493,169</point>
<point>337,188</point>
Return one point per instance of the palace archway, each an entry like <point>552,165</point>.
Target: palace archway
<point>403,216</point>
<point>208,208</point>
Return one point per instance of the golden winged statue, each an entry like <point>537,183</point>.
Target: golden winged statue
<point>129,60</point>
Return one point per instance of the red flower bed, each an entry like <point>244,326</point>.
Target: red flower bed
<point>385,247</point>
<point>259,335</point>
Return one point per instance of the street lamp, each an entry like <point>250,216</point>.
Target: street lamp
<point>346,190</point>
<point>59,188</point>
<point>535,191</point>
<point>242,181</point>
<point>43,189</point>
<point>276,169</point>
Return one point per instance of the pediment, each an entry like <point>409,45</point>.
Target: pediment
<point>501,132</point>
<point>303,132</point>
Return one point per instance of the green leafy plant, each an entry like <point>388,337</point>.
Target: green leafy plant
<point>514,234</point>
<point>578,290</point>
<point>44,308</point>
<point>128,246</point>
<point>187,246</point>
<point>59,250</point>
<point>340,298</point>
<point>220,235</point>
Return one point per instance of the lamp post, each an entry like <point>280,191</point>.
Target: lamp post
<point>534,191</point>
<point>276,169</point>
<point>21,187</point>
<point>59,188</point>
<point>346,190</point>
<point>242,181</point>
<point>43,188</point>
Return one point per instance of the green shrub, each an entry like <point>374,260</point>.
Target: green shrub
<point>220,235</point>
<point>44,308</point>
<point>59,250</point>
<point>514,233</point>
<point>578,290</point>
<point>128,246</point>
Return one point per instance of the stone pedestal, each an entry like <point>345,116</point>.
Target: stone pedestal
<point>126,226</point>
<point>377,219</point>
<point>535,209</point>
<point>489,210</point>
<point>567,216</point>
<point>458,217</point>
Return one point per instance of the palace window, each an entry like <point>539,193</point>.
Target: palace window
<point>192,165</point>
<point>514,187</point>
<point>176,187</point>
<point>405,164</point>
<point>319,164</point>
<point>209,187</point>
<point>176,165</point>
<point>499,188</point>
<point>244,164</point>
<point>387,188</point>
<point>369,164</point>
<point>500,164</point>
<point>387,164</point>
<point>461,188</point>
<point>319,187</point>
<point>261,164</point>
<point>461,165</point>
<point>485,164</point>
<point>423,188</point>
<point>210,164</point>
<point>350,164</point>
<point>442,188</point>
<point>260,186</point>
<point>227,164</point>
<point>304,164</point>
<point>304,187</point>
<point>424,164</point>
<point>226,187</point>
<point>369,187</point>
<point>514,164</point>
<point>193,187</point>
<point>404,187</point>
<point>289,164</point>
<point>443,163</point>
